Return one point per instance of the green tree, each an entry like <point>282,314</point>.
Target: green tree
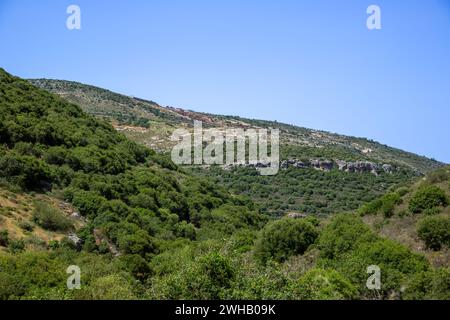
<point>283,238</point>
<point>434,231</point>
<point>320,284</point>
<point>428,197</point>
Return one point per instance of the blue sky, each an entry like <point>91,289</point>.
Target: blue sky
<point>309,63</point>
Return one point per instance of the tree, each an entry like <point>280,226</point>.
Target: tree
<point>283,238</point>
<point>435,232</point>
<point>50,218</point>
<point>428,197</point>
<point>320,284</point>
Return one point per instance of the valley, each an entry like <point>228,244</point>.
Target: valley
<point>86,180</point>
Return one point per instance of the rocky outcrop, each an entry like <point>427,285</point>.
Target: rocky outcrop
<point>77,241</point>
<point>326,165</point>
<point>296,215</point>
<point>347,166</point>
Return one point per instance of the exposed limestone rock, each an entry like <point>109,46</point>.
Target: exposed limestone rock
<point>77,241</point>
<point>326,165</point>
<point>296,215</point>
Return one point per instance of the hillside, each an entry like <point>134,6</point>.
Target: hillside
<point>297,142</point>
<point>74,191</point>
<point>398,215</point>
<point>321,173</point>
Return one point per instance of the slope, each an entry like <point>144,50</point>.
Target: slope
<point>322,173</point>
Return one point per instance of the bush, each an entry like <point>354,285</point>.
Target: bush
<point>210,276</point>
<point>26,225</point>
<point>4,239</point>
<point>428,197</point>
<point>283,238</point>
<point>218,270</point>
<point>396,262</point>
<point>385,204</point>
<point>388,203</point>
<point>110,287</point>
<point>16,246</point>
<point>50,218</point>
<point>439,175</point>
<point>402,191</point>
<point>435,232</point>
<point>432,211</point>
<point>137,243</point>
<point>320,284</point>
<point>343,234</point>
<point>429,285</point>
<point>88,203</point>
<point>136,265</point>
<point>26,172</point>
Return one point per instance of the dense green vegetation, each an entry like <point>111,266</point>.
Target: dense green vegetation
<point>435,232</point>
<point>304,190</point>
<point>283,238</point>
<point>153,231</point>
<point>384,204</point>
<point>428,198</point>
<point>301,190</point>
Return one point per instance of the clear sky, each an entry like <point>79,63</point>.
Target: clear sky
<point>309,63</point>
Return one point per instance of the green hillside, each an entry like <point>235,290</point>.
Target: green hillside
<point>309,190</point>
<point>74,191</point>
<point>295,141</point>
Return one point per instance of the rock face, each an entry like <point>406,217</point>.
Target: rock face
<point>326,165</point>
<point>77,241</point>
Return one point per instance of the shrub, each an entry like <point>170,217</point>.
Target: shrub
<point>218,270</point>
<point>432,211</point>
<point>283,238</point>
<point>440,175</point>
<point>4,239</point>
<point>110,287</point>
<point>395,261</point>
<point>88,203</point>
<point>136,265</point>
<point>320,284</point>
<point>211,276</point>
<point>388,203</point>
<point>385,204</point>
<point>138,243</point>
<point>26,172</point>
<point>343,234</point>
<point>26,225</point>
<point>50,218</point>
<point>16,246</point>
<point>22,272</point>
<point>435,232</point>
<point>402,191</point>
<point>429,285</point>
<point>427,197</point>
